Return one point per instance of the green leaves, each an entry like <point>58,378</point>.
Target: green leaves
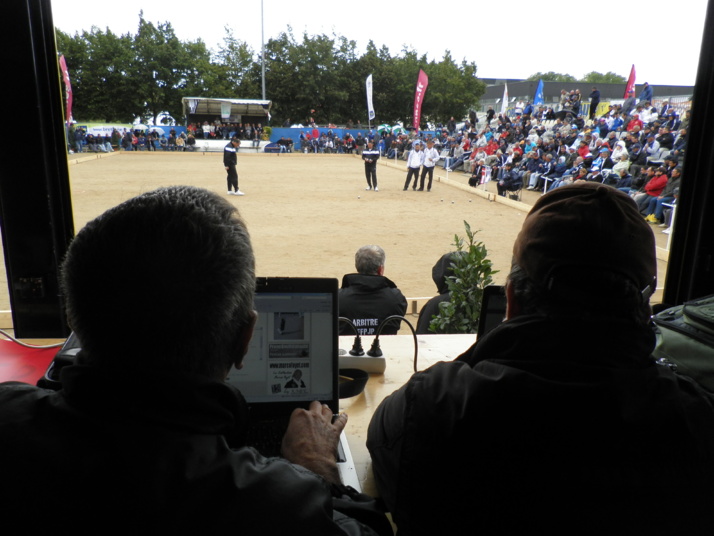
<point>119,78</point>
<point>471,272</point>
<point>593,77</point>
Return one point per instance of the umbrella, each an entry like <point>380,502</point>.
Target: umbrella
<point>158,129</point>
<point>383,128</point>
<point>398,129</point>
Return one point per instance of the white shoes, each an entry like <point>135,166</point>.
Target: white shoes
<point>376,189</point>
<point>230,192</point>
<point>238,192</point>
<point>368,188</point>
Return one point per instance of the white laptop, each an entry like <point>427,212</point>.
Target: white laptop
<point>292,360</point>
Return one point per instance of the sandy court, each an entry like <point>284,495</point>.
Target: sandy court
<point>308,214</point>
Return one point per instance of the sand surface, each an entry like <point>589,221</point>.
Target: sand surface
<point>308,214</point>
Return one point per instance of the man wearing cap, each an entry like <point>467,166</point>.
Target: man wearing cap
<point>666,109</point>
<point>558,421</point>
<point>629,104</point>
<point>646,94</point>
<point>508,180</point>
<point>603,160</point>
<point>617,122</point>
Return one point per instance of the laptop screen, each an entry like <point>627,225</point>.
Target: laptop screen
<point>292,355</point>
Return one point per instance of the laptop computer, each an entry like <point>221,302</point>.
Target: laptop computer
<point>292,360</point>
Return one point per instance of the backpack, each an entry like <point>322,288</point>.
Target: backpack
<point>685,340</point>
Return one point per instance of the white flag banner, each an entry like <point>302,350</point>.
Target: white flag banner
<point>504,104</point>
<point>370,107</point>
<point>192,105</point>
<point>225,110</point>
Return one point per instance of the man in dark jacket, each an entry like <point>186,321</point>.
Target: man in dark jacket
<point>558,421</point>
<point>367,297</point>
<point>145,434</point>
<point>594,101</point>
<point>509,180</point>
<point>441,270</point>
<point>230,159</point>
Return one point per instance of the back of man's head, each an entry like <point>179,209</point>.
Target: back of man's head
<point>585,250</point>
<point>369,260</point>
<point>164,280</point>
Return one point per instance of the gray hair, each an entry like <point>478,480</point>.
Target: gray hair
<point>368,259</point>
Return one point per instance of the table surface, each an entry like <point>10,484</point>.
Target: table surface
<point>399,352</point>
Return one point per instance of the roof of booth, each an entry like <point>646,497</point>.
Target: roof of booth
<point>211,106</point>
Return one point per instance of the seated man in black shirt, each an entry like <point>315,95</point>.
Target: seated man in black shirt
<point>367,297</point>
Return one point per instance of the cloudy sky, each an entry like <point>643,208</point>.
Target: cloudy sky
<point>521,39</point>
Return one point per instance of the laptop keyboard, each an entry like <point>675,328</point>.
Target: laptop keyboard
<point>267,436</point>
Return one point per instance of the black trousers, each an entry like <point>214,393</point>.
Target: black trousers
<point>370,173</point>
<point>413,172</point>
<point>232,178</point>
<point>424,171</point>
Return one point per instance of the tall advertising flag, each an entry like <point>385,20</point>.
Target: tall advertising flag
<point>422,84</point>
<point>538,99</point>
<point>68,87</point>
<point>370,107</point>
<point>504,102</point>
<point>630,82</point>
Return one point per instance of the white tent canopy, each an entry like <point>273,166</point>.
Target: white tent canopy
<point>203,106</point>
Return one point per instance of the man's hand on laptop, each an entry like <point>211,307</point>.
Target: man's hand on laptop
<point>311,440</point>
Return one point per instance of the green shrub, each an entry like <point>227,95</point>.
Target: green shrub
<point>472,272</point>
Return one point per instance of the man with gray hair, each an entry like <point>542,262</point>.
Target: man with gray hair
<point>368,297</point>
<point>145,432</point>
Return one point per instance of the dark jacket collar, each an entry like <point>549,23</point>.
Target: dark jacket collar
<point>169,400</point>
<point>367,283</point>
<point>602,341</point>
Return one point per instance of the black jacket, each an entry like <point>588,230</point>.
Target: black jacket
<point>138,453</point>
<point>367,300</point>
<point>230,157</point>
<point>548,426</point>
<point>441,270</point>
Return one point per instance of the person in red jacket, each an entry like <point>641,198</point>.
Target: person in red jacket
<point>652,188</point>
<point>635,122</point>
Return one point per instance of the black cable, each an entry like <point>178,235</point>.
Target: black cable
<point>357,349</point>
<point>375,345</point>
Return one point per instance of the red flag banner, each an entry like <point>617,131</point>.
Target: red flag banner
<point>68,87</point>
<point>630,82</point>
<point>422,83</point>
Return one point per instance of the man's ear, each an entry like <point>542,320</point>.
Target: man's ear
<point>513,308</point>
<point>244,337</point>
<point>380,270</point>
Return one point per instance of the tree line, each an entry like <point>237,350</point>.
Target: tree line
<point>116,78</point>
<point>593,77</point>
